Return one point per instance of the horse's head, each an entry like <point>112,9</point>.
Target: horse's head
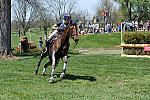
<point>74,31</point>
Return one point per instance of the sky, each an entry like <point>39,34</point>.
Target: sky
<point>89,5</point>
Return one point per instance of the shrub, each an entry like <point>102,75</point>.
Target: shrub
<point>147,39</point>
<point>136,38</point>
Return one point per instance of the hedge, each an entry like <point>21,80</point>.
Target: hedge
<point>136,38</point>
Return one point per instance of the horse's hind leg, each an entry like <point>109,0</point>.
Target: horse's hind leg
<point>64,67</point>
<point>37,68</point>
<point>38,65</point>
<point>45,67</point>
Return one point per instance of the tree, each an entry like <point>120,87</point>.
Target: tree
<point>141,10</point>
<point>59,7</point>
<point>83,17</point>
<point>107,11</point>
<point>26,12</point>
<point>44,20</point>
<point>135,9</point>
<point>5,28</point>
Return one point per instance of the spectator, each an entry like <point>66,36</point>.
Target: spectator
<point>136,25</point>
<point>80,27</point>
<point>148,26</point>
<point>40,42</point>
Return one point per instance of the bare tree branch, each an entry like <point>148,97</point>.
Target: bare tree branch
<point>26,12</point>
<point>59,7</point>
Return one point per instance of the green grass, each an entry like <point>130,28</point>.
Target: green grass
<point>89,77</point>
<point>99,40</point>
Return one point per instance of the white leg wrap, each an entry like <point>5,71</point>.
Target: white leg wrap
<point>53,64</point>
<point>44,70</point>
<point>65,65</point>
<point>53,33</point>
<point>65,62</point>
<point>53,59</point>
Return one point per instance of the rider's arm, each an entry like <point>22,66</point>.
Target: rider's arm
<point>58,24</point>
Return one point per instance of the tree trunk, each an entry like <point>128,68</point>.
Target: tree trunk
<point>130,13</point>
<point>5,27</point>
<point>45,33</point>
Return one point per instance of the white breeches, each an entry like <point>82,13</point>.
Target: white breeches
<point>53,33</point>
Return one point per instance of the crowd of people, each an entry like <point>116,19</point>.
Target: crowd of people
<point>108,27</point>
<point>136,26</point>
<point>95,28</point>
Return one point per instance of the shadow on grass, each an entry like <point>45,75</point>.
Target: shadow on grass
<point>77,77</point>
<point>72,77</point>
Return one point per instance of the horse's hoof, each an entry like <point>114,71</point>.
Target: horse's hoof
<point>43,74</point>
<point>55,76</point>
<point>62,75</point>
<point>51,80</point>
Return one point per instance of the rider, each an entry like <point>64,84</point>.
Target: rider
<point>61,25</point>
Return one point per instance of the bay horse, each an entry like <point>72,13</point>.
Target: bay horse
<point>58,49</point>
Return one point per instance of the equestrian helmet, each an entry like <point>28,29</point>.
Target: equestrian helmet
<point>67,17</point>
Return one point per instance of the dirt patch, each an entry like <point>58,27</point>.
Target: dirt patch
<point>8,57</point>
<point>100,51</point>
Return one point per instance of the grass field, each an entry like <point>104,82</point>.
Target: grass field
<point>89,77</point>
<point>99,40</point>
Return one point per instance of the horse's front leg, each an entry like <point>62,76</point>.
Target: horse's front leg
<point>51,79</point>
<point>62,75</point>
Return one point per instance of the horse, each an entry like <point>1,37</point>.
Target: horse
<point>58,49</point>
